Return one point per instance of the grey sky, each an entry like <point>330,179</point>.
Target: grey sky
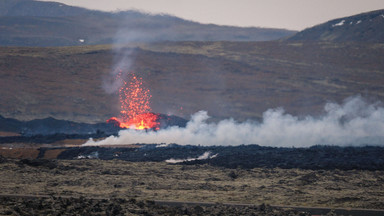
<point>289,14</point>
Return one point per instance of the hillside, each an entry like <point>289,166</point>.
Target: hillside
<point>365,27</point>
<point>37,8</point>
<point>33,23</point>
<point>228,79</point>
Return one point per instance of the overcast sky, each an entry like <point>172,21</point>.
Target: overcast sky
<point>288,14</point>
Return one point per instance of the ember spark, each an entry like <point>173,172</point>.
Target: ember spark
<point>135,110</point>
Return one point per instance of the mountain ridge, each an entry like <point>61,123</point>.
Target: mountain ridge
<point>364,27</point>
<point>33,23</point>
<point>37,8</point>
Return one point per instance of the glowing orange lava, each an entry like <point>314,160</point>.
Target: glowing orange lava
<point>135,111</point>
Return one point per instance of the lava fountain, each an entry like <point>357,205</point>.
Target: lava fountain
<point>135,110</point>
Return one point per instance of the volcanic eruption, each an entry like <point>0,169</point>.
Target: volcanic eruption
<point>353,123</point>
<point>135,110</point>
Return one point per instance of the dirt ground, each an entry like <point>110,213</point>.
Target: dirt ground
<point>198,183</point>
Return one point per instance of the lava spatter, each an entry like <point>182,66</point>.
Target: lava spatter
<point>135,110</point>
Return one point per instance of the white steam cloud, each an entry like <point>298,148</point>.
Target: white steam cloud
<point>205,156</point>
<point>353,123</point>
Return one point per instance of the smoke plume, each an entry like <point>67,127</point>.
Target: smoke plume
<point>124,55</point>
<point>123,62</point>
<point>352,123</point>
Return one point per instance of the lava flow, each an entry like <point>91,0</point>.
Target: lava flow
<point>135,111</point>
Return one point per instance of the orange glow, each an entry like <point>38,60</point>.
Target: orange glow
<point>135,111</point>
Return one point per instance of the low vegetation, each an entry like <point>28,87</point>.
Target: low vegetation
<point>99,179</point>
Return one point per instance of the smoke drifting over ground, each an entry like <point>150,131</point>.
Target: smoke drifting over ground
<point>353,123</point>
<point>205,156</point>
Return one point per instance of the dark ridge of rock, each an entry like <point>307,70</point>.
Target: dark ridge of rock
<point>38,128</point>
<point>244,156</point>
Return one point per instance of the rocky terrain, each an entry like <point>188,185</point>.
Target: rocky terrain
<point>244,156</point>
<point>120,206</point>
<point>115,185</point>
<point>155,179</point>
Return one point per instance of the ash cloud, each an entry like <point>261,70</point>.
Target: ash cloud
<point>353,123</point>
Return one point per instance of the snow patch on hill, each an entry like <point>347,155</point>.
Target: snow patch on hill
<point>339,23</point>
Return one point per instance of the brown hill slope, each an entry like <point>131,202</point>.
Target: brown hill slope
<point>229,79</point>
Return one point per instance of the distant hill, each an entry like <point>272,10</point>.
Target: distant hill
<point>365,27</point>
<point>33,23</point>
<point>37,8</point>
